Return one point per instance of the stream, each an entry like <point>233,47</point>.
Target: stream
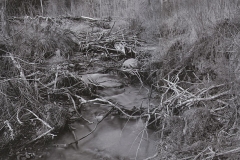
<point>116,138</point>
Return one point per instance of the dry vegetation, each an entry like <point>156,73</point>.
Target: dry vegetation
<point>195,69</point>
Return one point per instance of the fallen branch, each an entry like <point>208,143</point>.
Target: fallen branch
<point>93,129</point>
<point>183,96</point>
<point>192,100</point>
<point>74,105</point>
<point>110,103</point>
<point>45,123</point>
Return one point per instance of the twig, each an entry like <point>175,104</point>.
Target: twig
<point>144,130</point>
<point>154,156</point>
<point>139,144</point>
<point>10,129</point>
<point>56,78</point>
<point>16,58</point>
<point>19,121</point>
<point>201,153</point>
<point>110,103</point>
<point>228,152</point>
<point>42,135</point>
<point>18,66</point>
<point>111,28</point>
<point>141,132</point>
<point>74,105</point>
<point>93,129</point>
<point>75,137</point>
<point>209,88</point>
<point>45,123</point>
<point>204,99</point>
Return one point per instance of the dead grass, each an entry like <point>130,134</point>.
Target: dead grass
<point>26,85</point>
<point>200,53</point>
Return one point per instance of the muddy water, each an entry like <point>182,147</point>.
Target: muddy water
<point>115,138</point>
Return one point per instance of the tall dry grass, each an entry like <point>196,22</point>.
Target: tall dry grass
<point>186,22</point>
<point>150,16</point>
<point>199,16</point>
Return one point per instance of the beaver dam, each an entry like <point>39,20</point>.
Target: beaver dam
<point>119,80</point>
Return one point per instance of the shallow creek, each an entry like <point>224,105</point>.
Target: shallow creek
<point>115,137</point>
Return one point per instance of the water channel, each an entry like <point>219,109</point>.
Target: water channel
<point>116,138</point>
